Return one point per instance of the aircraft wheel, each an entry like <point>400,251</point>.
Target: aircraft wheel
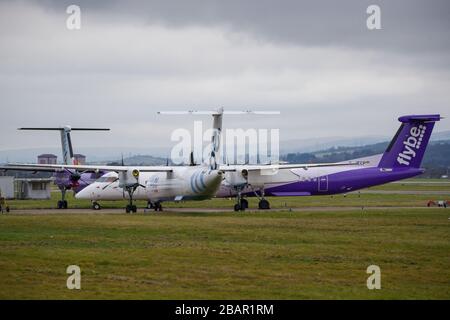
<point>244,203</point>
<point>7,209</point>
<point>134,208</point>
<point>264,204</point>
<point>64,204</point>
<point>128,209</point>
<point>237,207</point>
<point>150,205</point>
<point>96,206</point>
<point>60,204</point>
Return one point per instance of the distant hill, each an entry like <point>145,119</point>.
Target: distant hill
<point>436,160</point>
<point>318,144</point>
<point>107,154</point>
<point>440,135</point>
<point>141,160</point>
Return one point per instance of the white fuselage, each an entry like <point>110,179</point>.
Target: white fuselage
<point>184,183</point>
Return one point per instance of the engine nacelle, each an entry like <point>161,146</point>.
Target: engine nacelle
<point>238,178</point>
<point>129,178</point>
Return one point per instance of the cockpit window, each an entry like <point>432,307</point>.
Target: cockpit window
<point>106,179</point>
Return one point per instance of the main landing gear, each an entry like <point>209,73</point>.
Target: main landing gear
<point>157,205</point>
<point>263,204</point>
<point>242,203</point>
<point>62,204</point>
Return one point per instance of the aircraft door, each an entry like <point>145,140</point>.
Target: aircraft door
<point>323,183</point>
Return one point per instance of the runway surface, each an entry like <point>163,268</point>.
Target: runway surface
<point>201,210</point>
<point>430,192</point>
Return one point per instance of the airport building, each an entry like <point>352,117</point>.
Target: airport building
<point>47,158</point>
<point>36,188</point>
<point>7,187</point>
<point>79,158</point>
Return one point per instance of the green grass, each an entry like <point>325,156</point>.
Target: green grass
<point>263,255</point>
<point>360,200</point>
<point>266,255</point>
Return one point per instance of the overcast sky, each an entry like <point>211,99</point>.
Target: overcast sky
<point>315,61</point>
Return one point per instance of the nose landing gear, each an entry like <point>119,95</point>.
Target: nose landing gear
<point>96,205</point>
<point>62,204</point>
<point>130,208</point>
<point>241,203</point>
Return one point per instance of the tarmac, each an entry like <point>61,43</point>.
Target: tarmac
<point>429,192</point>
<point>201,210</point>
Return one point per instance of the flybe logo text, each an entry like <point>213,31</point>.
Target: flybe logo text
<point>411,144</point>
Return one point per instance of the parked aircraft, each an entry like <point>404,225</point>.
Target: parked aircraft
<point>157,187</point>
<point>401,160</point>
<point>65,179</point>
<point>161,183</point>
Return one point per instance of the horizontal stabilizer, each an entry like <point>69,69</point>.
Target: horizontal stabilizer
<point>63,128</point>
<point>420,118</point>
<point>218,112</point>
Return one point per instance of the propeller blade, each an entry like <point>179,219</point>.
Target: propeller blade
<point>191,159</point>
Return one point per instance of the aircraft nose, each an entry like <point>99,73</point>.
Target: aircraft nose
<point>85,193</point>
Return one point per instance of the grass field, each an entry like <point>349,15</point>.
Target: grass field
<point>254,255</point>
<point>277,255</point>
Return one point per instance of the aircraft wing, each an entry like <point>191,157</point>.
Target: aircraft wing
<point>306,166</point>
<point>24,168</point>
<point>85,168</point>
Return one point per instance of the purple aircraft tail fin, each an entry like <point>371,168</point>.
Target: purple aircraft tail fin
<point>409,143</point>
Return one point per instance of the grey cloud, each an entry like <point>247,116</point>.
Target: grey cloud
<point>315,61</point>
<point>408,25</point>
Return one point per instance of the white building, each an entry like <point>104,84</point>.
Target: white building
<point>7,187</point>
<point>33,188</point>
